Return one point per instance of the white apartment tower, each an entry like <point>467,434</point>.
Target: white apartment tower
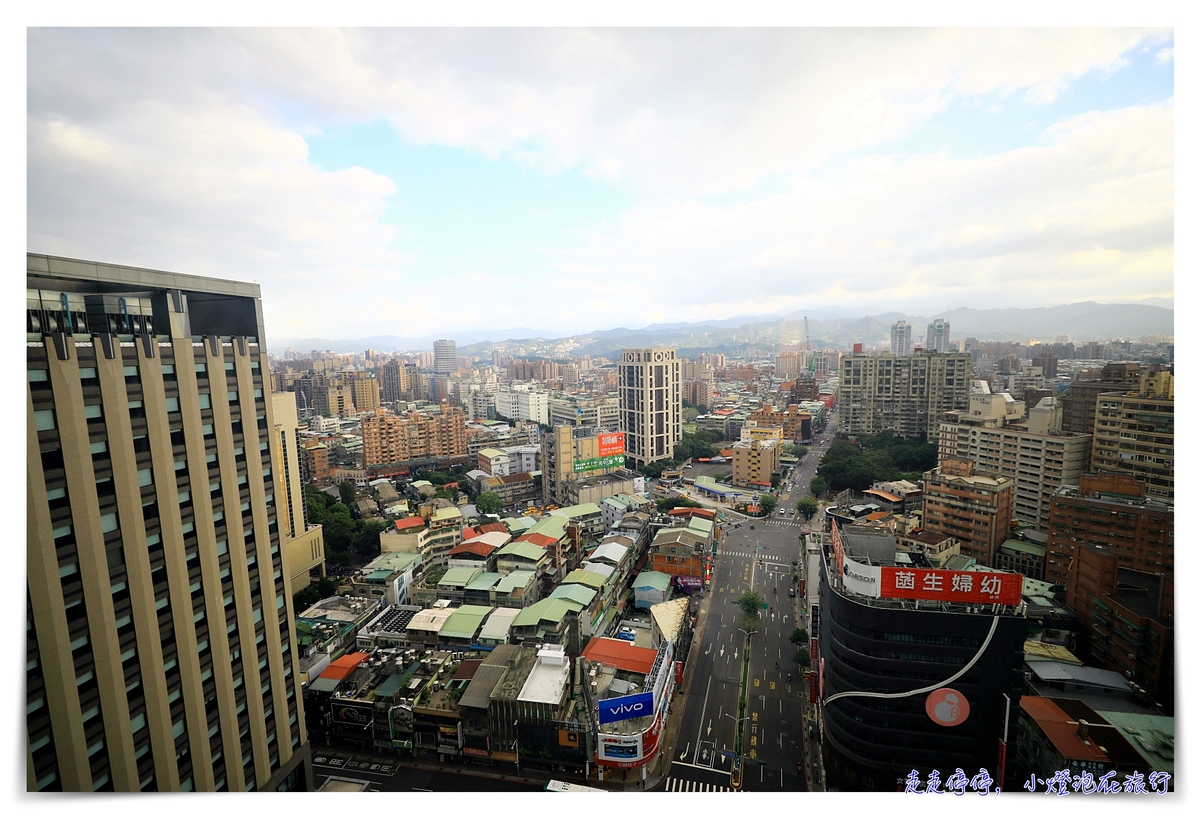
<point>901,338</point>
<point>651,403</point>
<point>445,361</point>
<point>937,336</point>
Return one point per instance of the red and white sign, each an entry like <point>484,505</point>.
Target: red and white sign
<point>947,707</point>
<point>839,553</point>
<point>981,587</point>
<point>611,443</point>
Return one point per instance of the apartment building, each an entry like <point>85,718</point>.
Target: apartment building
<point>303,544</point>
<point>795,424</point>
<point>1037,455</point>
<point>445,357</point>
<point>904,395</point>
<point>937,336</point>
<point>523,405</point>
<point>1135,433</point>
<point>596,413</point>
<point>651,403</point>
<point>391,439</point>
<point>160,650</point>
<point>1115,510</point>
<point>364,391</point>
<point>971,506</point>
<point>902,338</point>
<point>1079,401</point>
<point>573,453</point>
<point>756,458</point>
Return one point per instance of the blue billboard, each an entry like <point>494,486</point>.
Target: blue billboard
<point>627,707</point>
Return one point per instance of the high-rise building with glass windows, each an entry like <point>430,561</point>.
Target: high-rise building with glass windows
<point>651,403</point>
<point>160,650</point>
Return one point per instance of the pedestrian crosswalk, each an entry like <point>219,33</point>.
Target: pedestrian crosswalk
<point>684,785</point>
<point>789,523</point>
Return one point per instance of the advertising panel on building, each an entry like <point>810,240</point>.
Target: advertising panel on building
<point>592,463</point>
<point>347,713</point>
<point>624,750</point>
<point>626,707</point>
<point>611,443</point>
<point>981,587</point>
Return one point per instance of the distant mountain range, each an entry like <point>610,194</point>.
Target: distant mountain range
<point>828,326</point>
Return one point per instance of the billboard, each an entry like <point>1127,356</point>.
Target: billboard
<point>978,587</point>
<point>861,579</point>
<point>346,713</point>
<point>611,443</point>
<point>839,552</point>
<point>626,707</point>
<point>592,463</point>
<point>620,748</point>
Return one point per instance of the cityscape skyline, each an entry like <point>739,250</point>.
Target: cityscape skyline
<point>913,170</point>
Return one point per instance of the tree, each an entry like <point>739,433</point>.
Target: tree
<point>366,537</point>
<point>326,587</point>
<point>799,636</point>
<point>488,502</point>
<point>767,503</point>
<point>305,598</point>
<point>339,528</point>
<point>750,604</point>
<point>817,485</point>
<point>346,490</point>
<point>798,450</point>
<point>776,479</point>
<point>808,507</point>
<point>802,658</point>
<point>665,504</point>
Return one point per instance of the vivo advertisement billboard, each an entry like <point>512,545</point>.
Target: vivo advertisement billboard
<point>626,707</point>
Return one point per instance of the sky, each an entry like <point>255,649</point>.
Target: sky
<point>416,182</point>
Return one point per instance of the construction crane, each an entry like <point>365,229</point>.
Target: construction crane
<point>812,361</point>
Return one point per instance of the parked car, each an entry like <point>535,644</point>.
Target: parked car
<point>791,591</point>
<point>628,634</point>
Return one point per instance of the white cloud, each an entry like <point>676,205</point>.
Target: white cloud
<point>184,149</point>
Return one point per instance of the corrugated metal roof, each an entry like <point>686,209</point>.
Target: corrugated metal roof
<point>514,581</point>
<point>484,581</point>
<point>499,623</point>
<point>577,593</point>
<point>525,550</point>
<point>620,654</point>
<point>457,577</point>
<point>546,610</point>
<point>652,579</point>
<point>589,578</point>
<point>1052,671</point>
<point>464,623</point>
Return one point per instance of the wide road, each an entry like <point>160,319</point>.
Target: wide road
<point>761,560</point>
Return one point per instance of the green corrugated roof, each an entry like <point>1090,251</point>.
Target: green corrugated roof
<point>550,526</point>
<point>518,525</point>
<point>484,581</point>
<point>546,610</point>
<point>701,524</point>
<point>581,594</point>
<point>580,510</point>
<point>514,581</point>
<point>394,561</point>
<point>458,577</point>
<point>465,622</point>
<point>444,513</point>
<point>522,549</point>
<point>581,577</point>
<point>1025,547</point>
<point>390,686</point>
<point>652,579</point>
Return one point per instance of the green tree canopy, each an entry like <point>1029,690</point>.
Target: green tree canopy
<point>807,506</point>
<point>767,502</point>
<point>750,604</point>
<point>366,537</point>
<point>802,657</point>
<point>817,485</point>
<point>799,636</point>
<point>488,502</point>
<point>665,504</point>
<point>346,491</point>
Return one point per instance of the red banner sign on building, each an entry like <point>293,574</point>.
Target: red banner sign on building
<point>980,587</point>
<point>611,443</point>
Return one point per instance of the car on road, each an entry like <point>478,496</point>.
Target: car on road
<point>791,591</point>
